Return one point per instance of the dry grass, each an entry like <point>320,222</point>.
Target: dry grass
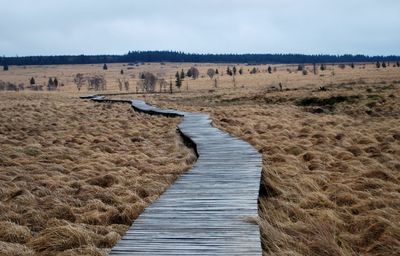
<point>331,174</point>
<point>287,75</point>
<point>331,158</point>
<point>75,174</point>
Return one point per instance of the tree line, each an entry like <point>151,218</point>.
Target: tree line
<point>173,56</point>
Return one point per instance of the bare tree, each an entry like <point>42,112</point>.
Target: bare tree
<point>163,85</point>
<point>126,83</point>
<point>97,83</point>
<point>148,82</point>
<point>211,73</point>
<point>120,84</point>
<point>79,80</point>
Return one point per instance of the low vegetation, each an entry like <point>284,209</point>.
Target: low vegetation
<point>75,174</point>
<point>331,183</point>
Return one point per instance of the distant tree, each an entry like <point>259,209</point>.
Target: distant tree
<point>398,64</point>
<point>126,84</point>
<point>269,69</point>
<point>55,82</point>
<point>315,71</point>
<point>182,74</point>
<point>216,71</point>
<point>105,66</point>
<point>120,84</point>
<point>5,67</point>
<point>211,73</point>
<point>300,67</point>
<point>378,64</point>
<point>149,82</point>
<point>194,72</point>
<point>323,67</point>
<point>50,85</point>
<point>229,71</point>
<point>253,71</point>
<point>177,75</point>
<point>241,71</point>
<point>163,84</point>
<point>352,65</point>
<point>189,73</point>
<point>79,80</point>
<point>383,64</point>
<point>97,83</point>
<point>32,81</point>
<point>178,82</point>
<point>234,70</point>
<point>121,72</point>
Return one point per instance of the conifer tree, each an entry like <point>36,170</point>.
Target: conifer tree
<point>178,81</point>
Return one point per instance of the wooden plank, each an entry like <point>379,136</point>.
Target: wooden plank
<point>204,212</point>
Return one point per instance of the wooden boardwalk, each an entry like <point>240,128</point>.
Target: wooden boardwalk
<point>204,212</point>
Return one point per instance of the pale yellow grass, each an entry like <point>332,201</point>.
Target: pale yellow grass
<point>287,75</point>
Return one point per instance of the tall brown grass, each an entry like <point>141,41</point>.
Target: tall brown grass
<point>331,180</point>
<point>76,174</point>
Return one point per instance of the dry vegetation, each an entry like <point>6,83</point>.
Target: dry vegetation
<point>75,174</point>
<point>331,176</point>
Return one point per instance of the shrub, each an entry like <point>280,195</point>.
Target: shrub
<point>314,101</point>
<point>193,73</point>
<point>211,73</point>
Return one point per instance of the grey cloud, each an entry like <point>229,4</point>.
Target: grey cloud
<point>238,26</point>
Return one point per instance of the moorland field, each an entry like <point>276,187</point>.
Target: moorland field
<point>75,174</point>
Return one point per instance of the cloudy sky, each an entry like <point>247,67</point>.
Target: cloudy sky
<point>52,27</point>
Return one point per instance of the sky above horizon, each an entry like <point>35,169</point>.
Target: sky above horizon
<point>57,27</point>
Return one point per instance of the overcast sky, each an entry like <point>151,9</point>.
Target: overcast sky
<point>54,27</point>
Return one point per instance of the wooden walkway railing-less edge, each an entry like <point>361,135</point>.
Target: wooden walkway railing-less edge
<point>204,212</point>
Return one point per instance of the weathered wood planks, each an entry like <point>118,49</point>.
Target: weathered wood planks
<point>204,212</point>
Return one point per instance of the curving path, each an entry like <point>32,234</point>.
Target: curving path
<point>204,212</point>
